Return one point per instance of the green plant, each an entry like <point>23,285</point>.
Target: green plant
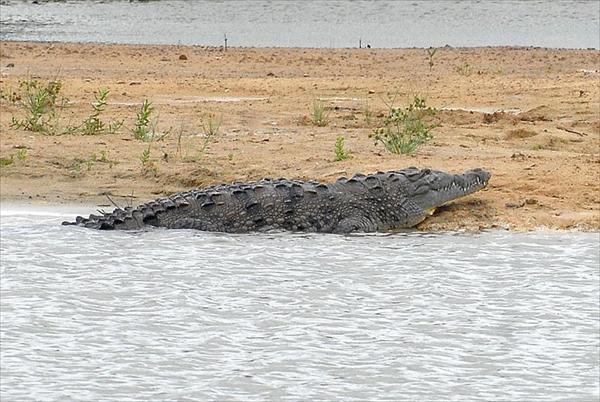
<point>7,161</point>
<point>430,53</point>
<point>211,125</point>
<point>464,69</point>
<point>39,101</point>
<point>93,124</point>
<point>341,154</point>
<point>21,154</point>
<point>145,158</point>
<point>142,130</point>
<point>405,129</point>
<point>319,114</point>
<point>146,129</point>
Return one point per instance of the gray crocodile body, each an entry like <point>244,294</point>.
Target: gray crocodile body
<point>364,203</point>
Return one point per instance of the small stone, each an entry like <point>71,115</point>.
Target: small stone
<point>135,83</point>
<point>182,57</point>
<point>9,65</point>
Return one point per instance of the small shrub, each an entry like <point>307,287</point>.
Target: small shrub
<point>319,114</point>
<point>142,130</point>
<point>93,124</point>
<point>341,154</point>
<point>405,129</point>
<point>146,129</point>
<point>39,102</point>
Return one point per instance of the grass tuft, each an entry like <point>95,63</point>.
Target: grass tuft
<point>341,154</point>
<point>319,115</point>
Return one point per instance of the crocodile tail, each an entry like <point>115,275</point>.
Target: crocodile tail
<point>124,219</point>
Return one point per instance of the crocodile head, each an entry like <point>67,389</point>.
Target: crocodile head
<point>434,188</point>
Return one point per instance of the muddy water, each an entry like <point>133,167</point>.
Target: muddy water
<point>417,23</point>
<point>170,315</point>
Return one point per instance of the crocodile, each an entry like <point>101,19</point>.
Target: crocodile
<point>383,201</point>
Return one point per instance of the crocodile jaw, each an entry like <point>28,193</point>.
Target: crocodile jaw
<point>439,188</point>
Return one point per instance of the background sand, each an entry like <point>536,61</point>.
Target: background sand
<point>542,144</point>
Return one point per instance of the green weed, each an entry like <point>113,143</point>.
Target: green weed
<point>341,154</point>
<point>21,154</point>
<point>145,158</point>
<point>103,158</point>
<point>93,124</point>
<point>405,129</point>
<point>7,161</point>
<point>146,129</point>
<point>142,130</point>
<point>40,103</point>
<point>319,115</point>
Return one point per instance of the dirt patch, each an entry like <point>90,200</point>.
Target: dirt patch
<point>520,133</point>
<point>540,113</point>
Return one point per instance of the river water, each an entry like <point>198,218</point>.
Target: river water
<point>186,315</point>
<point>315,23</point>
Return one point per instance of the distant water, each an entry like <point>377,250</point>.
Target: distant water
<point>299,23</point>
<point>184,315</point>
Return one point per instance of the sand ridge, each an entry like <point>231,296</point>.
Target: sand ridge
<point>531,116</point>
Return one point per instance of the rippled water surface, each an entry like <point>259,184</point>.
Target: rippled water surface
<point>315,23</point>
<point>172,315</point>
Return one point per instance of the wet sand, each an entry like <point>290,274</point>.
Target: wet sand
<point>530,116</point>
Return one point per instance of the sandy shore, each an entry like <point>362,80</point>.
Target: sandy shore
<point>542,144</point>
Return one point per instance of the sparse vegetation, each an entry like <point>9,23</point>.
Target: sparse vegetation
<point>210,130</point>
<point>93,124</point>
<point>20,155</point>
<point>319,114</point>
<point>211,125</point>
<point>341,154</point>
<point>40,103</point>
<point>7,161</point>
<point>464,69</point>
<point>405,129</point>
<point>145,158</point>
<point>146,129</point>
<point>142,130</point>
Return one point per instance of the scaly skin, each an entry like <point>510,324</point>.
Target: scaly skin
<point>376,202</point>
